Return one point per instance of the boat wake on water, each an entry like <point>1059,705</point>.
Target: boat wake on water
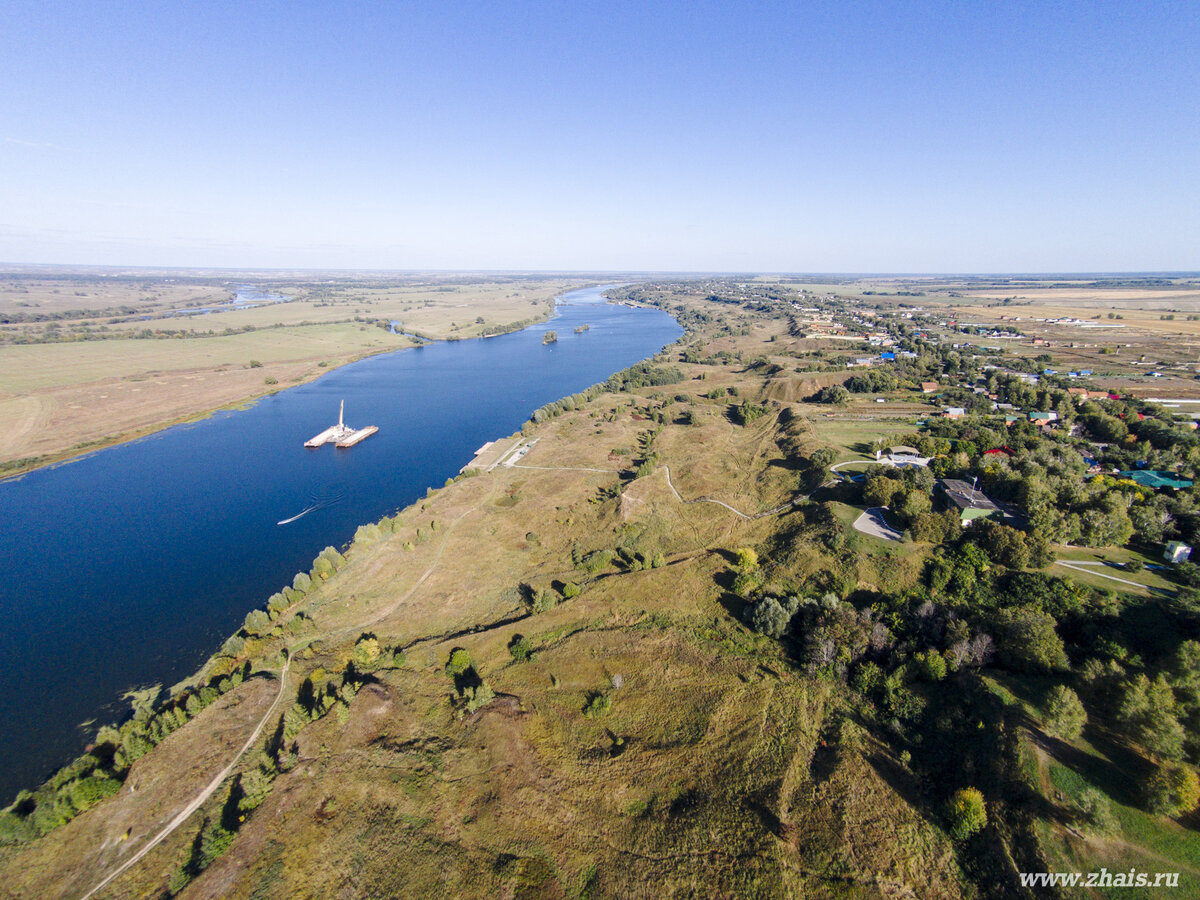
<point>317,501</point>
<point>302,513</point>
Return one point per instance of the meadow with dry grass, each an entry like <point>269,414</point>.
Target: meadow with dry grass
<point>539,682</point>
<point>699,779</point>
<point>88,359</point>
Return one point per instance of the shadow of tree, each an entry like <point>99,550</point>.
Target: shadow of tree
<point>1116,770</point>
<point>899,779</point>
<point>731,602</point>
<point>728,555</point>
<point>759,804</point>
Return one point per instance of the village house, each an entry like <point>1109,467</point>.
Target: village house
<point>1177,552</point>
<point>971,503</point>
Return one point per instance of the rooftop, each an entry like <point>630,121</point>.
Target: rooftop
<point>1152,479</point>
<point>963,495</point>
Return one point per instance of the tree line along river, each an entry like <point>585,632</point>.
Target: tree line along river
<point>128,567</point>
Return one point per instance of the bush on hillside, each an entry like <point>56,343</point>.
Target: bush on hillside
<point>1173,790</point>
<point>967,813</point>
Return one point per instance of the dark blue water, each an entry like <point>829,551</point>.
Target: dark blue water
<point>129,566</point>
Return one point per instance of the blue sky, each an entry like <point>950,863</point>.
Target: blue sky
<point>694,136</point>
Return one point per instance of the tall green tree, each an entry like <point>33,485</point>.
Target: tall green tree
<point>1065,715</point>
<point>1027,640</point>
<point>1146,715</point>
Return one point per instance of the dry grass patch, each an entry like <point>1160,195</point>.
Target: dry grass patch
<point>695,781</point>
<point>68,861</point>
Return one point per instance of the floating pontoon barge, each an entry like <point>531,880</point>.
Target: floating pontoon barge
<point>341,434</point>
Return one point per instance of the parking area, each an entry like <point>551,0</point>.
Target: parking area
<point>873,523</point>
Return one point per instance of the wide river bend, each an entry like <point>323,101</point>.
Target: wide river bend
<point>129,566</point>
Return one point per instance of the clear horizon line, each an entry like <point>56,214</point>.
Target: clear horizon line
<point>10,267</point>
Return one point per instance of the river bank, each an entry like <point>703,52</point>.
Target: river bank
<point>244,399</point>
<point>510,666</point>
<point>163,543</point>
<point>80,393</point>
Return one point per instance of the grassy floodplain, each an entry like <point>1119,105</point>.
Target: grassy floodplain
<point>562,678</point>
<point>91,357</point>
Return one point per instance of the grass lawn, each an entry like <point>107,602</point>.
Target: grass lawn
<point>853,436</point>
<point>1150,578</point>
<point>1025,691</point>
<point>1143,842</point>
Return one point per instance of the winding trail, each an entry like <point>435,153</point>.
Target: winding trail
<point>678,497</point>
<point>437,559</point>
<point>861,462</point>
<point>184,814</point>
<point>199,800</point>
<point>782,507</point>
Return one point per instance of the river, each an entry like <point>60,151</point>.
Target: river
<point>129,566</point>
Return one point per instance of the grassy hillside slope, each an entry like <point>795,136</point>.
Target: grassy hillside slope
<point>538,682</point>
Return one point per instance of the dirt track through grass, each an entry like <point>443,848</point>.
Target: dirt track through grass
<point>184,814</point>
<point>199,800</point>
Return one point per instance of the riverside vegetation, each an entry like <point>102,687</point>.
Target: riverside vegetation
<point>666,657</point>
<point>92,357</point>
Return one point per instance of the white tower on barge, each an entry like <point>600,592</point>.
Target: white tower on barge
<point>341,434</point>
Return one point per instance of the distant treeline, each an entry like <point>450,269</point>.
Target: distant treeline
<point>53,333</point>
<point>490,330</point>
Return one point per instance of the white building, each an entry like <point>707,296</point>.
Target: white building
<point>1177,552</point>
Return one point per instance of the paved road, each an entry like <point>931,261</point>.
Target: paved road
<point>859,462</point>
<point>873,523</point>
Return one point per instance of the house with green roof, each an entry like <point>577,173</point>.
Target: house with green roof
<point>1156,480</point>
<point>971,503</point>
